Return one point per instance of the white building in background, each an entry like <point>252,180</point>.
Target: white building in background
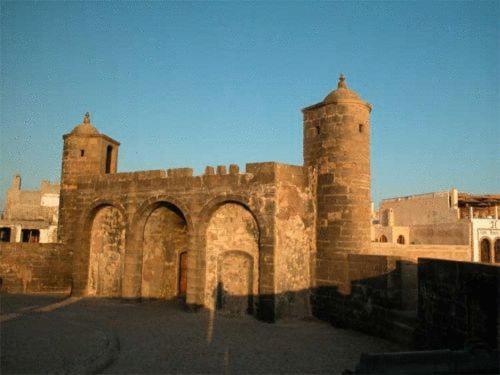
<point>486,240</point>
<point>442,218</point>
<point>30,215</point>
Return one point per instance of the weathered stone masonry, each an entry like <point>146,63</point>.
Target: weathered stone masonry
<point>337,149</point>
<point>258,241</point>
<point>35,267</point>
<point>166,213</point>
<point>275,240</point>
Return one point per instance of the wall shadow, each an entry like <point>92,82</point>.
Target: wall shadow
<point>458,302</point>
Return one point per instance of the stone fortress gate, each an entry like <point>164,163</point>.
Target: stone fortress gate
<point>259,241</point>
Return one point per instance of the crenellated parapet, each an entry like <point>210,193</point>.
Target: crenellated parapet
<point>255,173</point>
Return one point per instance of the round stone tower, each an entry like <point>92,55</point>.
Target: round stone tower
<point>337,149</point>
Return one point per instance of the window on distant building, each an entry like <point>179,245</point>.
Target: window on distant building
<point>497,250</point>
<point>485,250</point>
<point>5,234</point>
<point>383,238</point>
<point>30,235</point>
<point>401,240</point>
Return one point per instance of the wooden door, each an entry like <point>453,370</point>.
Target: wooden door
<point>182,274</point>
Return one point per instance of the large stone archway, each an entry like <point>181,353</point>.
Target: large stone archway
<point>232,259</point>
<point>107,251</point>
<point>164,239</point>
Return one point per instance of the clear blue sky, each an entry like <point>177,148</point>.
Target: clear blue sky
<point>196,84</point>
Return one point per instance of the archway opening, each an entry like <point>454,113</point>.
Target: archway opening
<point>232,260</point>
<point>165,239</point>
<point>401,240</point>
<point>497,250</point>
<point>383,238</point>
<point>107,248</point>
<point>485,250</point>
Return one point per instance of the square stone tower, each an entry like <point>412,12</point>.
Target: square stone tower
<point>86,152</point>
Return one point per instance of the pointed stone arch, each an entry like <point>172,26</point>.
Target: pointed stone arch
<point>106,251</point>
<point>161,231</point>
<point>263,265</point>
<point>81,259</point>
<point>232,257</point>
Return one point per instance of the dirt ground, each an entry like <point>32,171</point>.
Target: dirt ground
<point>41,334</point>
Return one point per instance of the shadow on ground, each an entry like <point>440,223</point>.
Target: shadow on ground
<point>161,337</point>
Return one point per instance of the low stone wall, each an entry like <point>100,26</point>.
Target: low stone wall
<point>459,304</point>
<point>35,267</point>
<point>413,252</point>
<point>369,292</point>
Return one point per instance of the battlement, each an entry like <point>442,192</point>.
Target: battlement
<point>260,173</point>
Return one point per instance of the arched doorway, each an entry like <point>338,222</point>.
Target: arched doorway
<point>497,250</point>
<point>485,250</point>
<point>232,259</point>
<point>383,238</point>
<point>165,237</point>
<point>107,247</point>
<point>401,239</point>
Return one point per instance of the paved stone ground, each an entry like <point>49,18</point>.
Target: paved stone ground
<point>159,337</point>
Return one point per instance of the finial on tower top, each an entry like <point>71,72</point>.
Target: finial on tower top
<point>341,83</point>
<point>86,118</point>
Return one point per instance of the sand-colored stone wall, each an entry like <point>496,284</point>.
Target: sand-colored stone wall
<point>457,233</point>
<point>413,252</point>
<point>295,246</point>
<point>107,253</point>
<point>433,208</point>
<point>165,237</point>
<point>35,267</point>
<point>232,256</point>
<point>136,195</point>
